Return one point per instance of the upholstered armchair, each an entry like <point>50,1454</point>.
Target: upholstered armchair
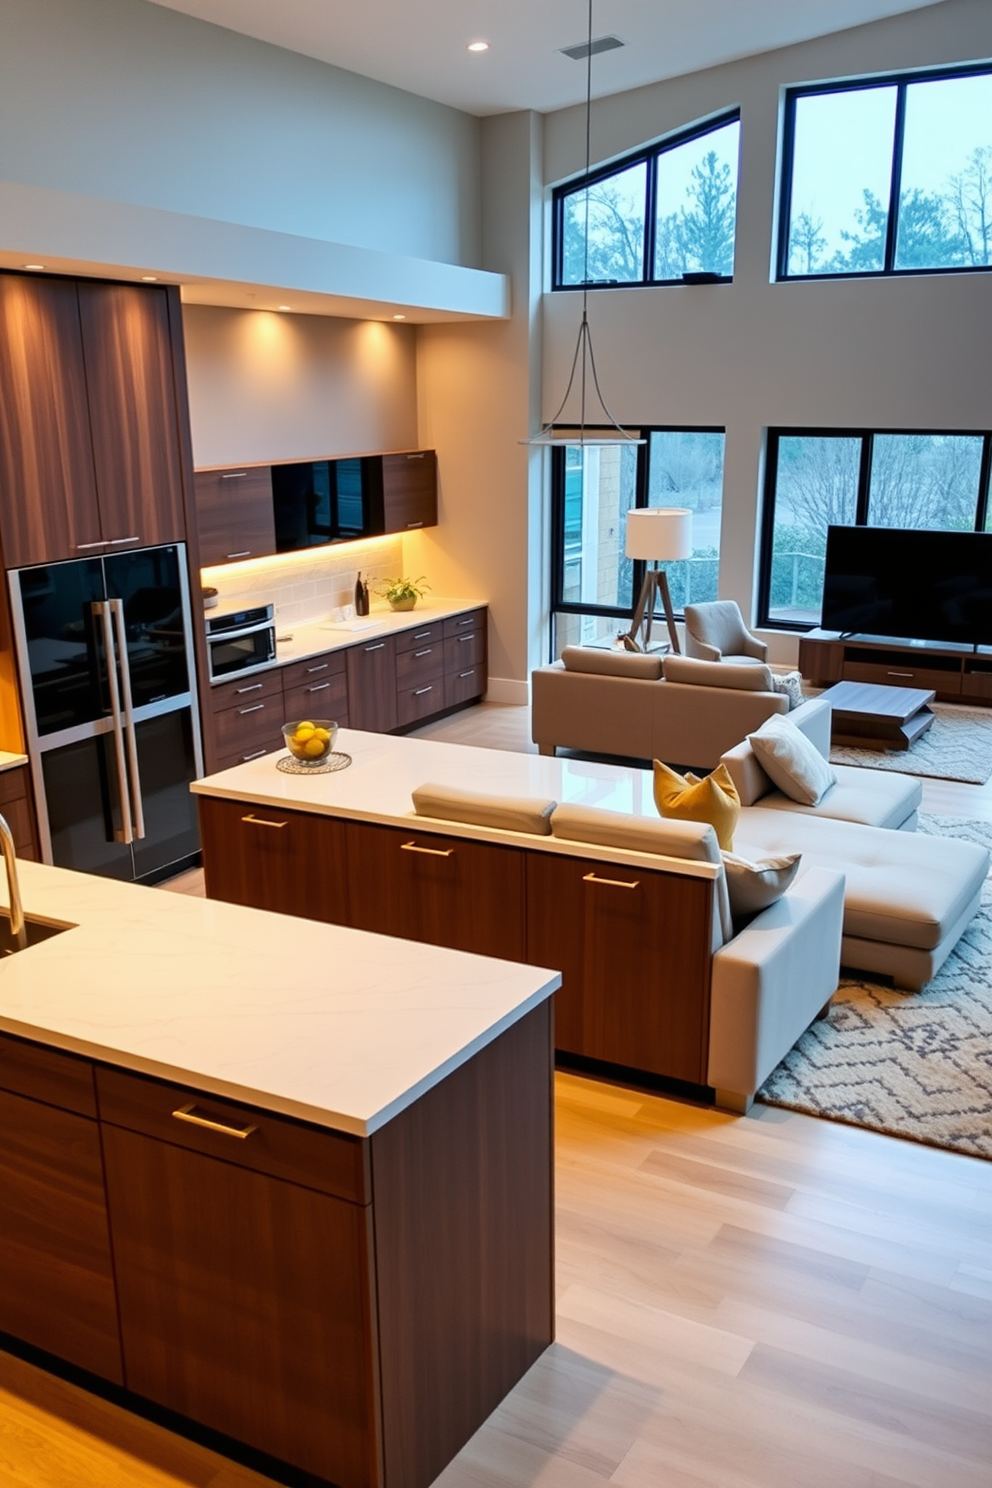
<point>716,632</point>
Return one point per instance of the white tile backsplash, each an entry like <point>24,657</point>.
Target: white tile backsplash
<point>305,587</point>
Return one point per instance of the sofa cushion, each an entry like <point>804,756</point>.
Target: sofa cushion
<point>674,839</point>
<point>713,799</point>
<point>753,886</point>
<point>744,677</point>
<point>793,764</point>
<point>876,798</point>
<point>611,663</point>
<point>512,813</point>
<point>902,888</point>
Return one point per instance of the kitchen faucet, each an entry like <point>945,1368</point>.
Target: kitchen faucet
<point>18,933</point>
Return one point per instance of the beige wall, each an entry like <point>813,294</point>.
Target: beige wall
<point>265,386</point>
<point>904,354</point>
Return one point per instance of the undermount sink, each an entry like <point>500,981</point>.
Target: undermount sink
<point>37,930</point>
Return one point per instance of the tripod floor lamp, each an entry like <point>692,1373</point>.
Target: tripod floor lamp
<point>656,534</point>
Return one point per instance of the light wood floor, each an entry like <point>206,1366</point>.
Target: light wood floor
<point>760,1302</point>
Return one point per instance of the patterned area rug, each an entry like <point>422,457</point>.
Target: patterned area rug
<point>957,746</point>
<point>912,1064</point>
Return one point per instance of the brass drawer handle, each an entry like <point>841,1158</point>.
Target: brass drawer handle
<point>254,708</point>
<point>433,852</point>
<point>188,1113</point>
<point>260,821</point>
<point>615,883</point>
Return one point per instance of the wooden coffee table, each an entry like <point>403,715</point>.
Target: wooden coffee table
<point>870,715</point>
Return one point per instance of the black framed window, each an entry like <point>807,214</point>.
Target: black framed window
<point>593,583</point>
<point>877,478</point>
<point>653,217</point>
<point>890,176</point>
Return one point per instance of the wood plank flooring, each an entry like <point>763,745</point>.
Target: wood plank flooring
<point>767,1301</point>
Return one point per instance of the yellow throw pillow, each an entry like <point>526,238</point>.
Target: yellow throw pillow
<point>714,800</point>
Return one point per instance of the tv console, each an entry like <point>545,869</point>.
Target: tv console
<point>957,674</point>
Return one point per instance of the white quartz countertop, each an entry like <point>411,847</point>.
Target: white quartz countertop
<point>10,761</point>
<point>337,1027</point>
<point>387,768</point>
<point>298,642</point>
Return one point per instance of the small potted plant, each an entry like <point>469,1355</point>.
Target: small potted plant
<point>402,594</point>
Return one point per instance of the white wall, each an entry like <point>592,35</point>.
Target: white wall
<point>127,101</point>
<point>752,354</point>
<point>478,389</point>
<point>264,386</point>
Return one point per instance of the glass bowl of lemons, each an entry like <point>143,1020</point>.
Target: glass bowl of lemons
<point>311,740</point>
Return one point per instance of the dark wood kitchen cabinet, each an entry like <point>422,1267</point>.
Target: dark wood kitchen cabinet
<point>48,496</point>
<point>631,945</point>
<point>234,514</point>
<point>245,1299</point>
<point>409,490</point>
<point>372,685</point>
<point>17,805</point>
<point>92,419</point>
<point>287,861</point>
<point>56,1274</point>
<point>447,891</point>
<point>134,415</point>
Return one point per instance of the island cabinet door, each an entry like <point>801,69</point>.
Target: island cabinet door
<point>447,891</point>
<point>56,1276</point>
<point>633,947</point>
<point>245,1303</point>
<point>267,858</point>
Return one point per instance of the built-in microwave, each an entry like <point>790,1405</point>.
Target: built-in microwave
<point>241,641</point>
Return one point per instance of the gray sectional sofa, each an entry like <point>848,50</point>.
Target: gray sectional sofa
<point>676,709</point>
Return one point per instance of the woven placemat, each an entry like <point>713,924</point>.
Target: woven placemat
<point>290,766</point>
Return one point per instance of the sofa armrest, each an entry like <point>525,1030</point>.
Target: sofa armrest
<point>771,981</point>
<point>813,717</point>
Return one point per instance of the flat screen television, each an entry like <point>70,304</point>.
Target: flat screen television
<point>908,584</point>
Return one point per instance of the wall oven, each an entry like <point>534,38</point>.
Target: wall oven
<point>241,641</point>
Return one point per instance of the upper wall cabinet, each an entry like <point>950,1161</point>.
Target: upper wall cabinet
<point>90,438</point>
<point>245,513</point>
<point>234,514</point>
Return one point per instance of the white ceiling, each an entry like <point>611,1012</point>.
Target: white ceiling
<point>421,45</point>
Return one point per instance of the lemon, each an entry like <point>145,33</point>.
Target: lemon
<point>322,734</point>
<point>304,731</point>
<point>314,747</point>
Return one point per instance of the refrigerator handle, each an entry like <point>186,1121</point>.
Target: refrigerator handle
<point>101,608</point>
<point>137,804</point>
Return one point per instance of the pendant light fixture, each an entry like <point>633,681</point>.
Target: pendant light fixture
<point>584,359</point>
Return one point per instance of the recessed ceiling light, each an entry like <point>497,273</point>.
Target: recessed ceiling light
<point>34,266</point>
<point>478,46</point>
<point>149,278</point>
<point>399,317</point>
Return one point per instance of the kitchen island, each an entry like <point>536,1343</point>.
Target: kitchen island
<point>289,1180</point>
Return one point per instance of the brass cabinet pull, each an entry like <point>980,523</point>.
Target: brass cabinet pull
<point>260,821</point>
<point>616,883</point>
<point>188,1113</point>
<point>433,852</point>
<point>252,708</point>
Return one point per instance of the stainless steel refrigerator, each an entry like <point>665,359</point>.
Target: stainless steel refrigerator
<point>104,650</point>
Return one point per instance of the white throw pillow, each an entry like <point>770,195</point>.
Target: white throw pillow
<point>791,684</point>
<point>791,762</point>
<point>754,886</point>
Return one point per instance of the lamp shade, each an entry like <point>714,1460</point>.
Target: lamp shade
<point>663,533</point>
